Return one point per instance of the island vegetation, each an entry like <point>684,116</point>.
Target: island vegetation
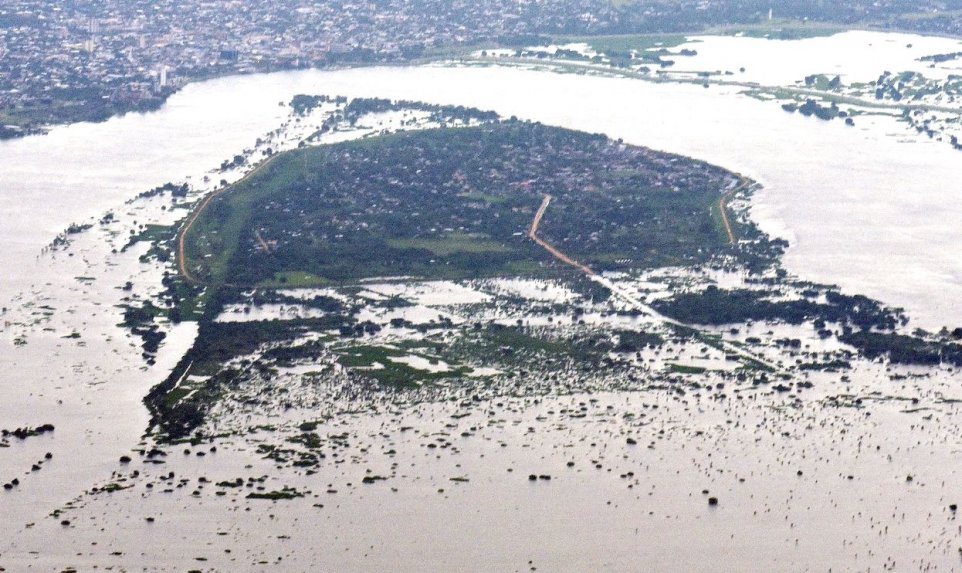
<point>319,236</point>
<point>331,214</point>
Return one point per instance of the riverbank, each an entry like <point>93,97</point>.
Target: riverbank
<point>23,122</point>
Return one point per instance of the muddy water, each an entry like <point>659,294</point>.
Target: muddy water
<point>873,208</point>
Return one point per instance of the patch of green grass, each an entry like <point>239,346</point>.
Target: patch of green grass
<point>779,30</point>
<point>177,394</point>
<point>625,43</point>
<point>294,279</point>
<point>366,356</point>
<point>719,222</point>
<point>517,340</point>
<point>498,344</point>
<point>192,299</point>
<point>153,233</point>
<point>397,374</point>
<point>485,197</point>
<point>683,369</point>
<point>216,234</point>
<point>391,373</point>
<point>451,244</point>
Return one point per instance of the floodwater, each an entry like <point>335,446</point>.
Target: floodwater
<point>872,208</point>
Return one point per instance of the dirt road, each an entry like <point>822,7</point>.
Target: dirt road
<point>181,237</point>
<point>723,209</point>
<point>632,299</point>
<point>533,235</point>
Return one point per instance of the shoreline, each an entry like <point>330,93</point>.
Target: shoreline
<point>459,52</point>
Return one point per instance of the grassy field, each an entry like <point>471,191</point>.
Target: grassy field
<point>376,362</point>
<point>293,279</point>
<point>779,30</point>
<point>624,43</point>
<point>451,244</point>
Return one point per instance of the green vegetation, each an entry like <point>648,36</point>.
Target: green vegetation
<point>436,204</point>
<point>449,204</point>
<point>141,322</point>
<point>285,493</point>
<point>717,306</point>
<point>69,105</point>
<point>865,324</point>
<point>355,210</point>
<point>476,196</point>
<point>628,42</point>
<point>450,244</point>
<point>157,235</point>
<point>830,366</point>
<point>293,279</point>
<point>633,341</point>
<point>179,404</point>
<point>683,369</point>
<point>781,29</point>
<point>381,363</point>
<point>812,108</point>
<point>902,349</point>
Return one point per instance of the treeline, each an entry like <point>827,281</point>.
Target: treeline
<point>715,306</point>
<point>903,349</point>
<point>175,190</point>
<point>812,108</point>
<point>302,104</point>
<point>865,324</point>
<point>359,107</point>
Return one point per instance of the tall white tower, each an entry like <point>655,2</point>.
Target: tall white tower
<point>163,76</point>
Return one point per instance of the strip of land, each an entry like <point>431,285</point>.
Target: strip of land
<point>533,235</point>
<point>675,77</point>
<point>628,297</point>
<point>182,236</point>
<point>723,207</point>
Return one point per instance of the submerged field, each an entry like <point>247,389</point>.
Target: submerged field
<point>456,204</point>
<point>307,272</point>
<point>702,412</point>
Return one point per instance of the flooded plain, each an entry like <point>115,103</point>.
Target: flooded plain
<point>620,480</point>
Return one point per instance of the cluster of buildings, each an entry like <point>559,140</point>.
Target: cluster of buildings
<point>69,60</point>
<point>76,60</point>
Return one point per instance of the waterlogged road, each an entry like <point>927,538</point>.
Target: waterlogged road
<point>622,293</point>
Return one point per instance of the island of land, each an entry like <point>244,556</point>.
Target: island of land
<point>313,271</point>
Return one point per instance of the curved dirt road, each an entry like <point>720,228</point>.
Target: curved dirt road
<point>181,236</point>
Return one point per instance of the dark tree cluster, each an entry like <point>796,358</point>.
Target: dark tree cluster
<point>458,203</point>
